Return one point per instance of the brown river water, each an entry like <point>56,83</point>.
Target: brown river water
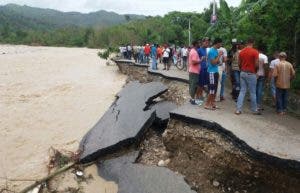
<point>49,97</point>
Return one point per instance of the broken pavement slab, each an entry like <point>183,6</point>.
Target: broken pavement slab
<point>124,122</point>
<point>163,109</point>
<point>130,62</point>
<point>268,138</point>
<point>133,177</point>
<point>172,74</point>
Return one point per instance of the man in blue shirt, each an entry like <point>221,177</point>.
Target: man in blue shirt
<point>213,59</point>
<point>153,56</point>
<point>203,75</point>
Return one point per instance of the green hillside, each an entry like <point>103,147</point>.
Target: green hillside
<point>30,18</point>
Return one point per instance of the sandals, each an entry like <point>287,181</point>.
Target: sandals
<point>210,108</point>
<point>215,107</point>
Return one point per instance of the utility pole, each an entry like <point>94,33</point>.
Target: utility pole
<point>214,15</point>
<point>189,31</point>
<point>214,8</point>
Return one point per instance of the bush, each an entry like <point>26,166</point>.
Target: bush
<point>104,54</point>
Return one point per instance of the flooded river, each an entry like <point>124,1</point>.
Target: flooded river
<point>50,97</point>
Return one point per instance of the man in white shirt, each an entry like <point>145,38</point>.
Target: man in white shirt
<point>166,54</point>
<point>261,77</point>
<point>273,63</point>
<point>222,74</point>
<point>184,54</point>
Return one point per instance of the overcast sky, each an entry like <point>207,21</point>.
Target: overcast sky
<point>145,7</point>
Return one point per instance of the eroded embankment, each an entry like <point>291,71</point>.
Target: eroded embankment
<point>205,156</point>
<point>209,161</point>
<point>177,91</point>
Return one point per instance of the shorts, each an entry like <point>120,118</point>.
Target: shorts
<point>193,80</point>
<point>165,60</point>
<point>203,77</point>
<point>213,82</point>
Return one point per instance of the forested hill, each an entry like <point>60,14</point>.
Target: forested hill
<point>30,18</point>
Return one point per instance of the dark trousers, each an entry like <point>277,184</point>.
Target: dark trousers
<point>236,84</point>
<point>260,90</point>
<point>281,99</point>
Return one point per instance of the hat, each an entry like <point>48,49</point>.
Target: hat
<point>282,54</point>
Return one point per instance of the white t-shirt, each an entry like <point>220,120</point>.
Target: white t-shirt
<point>274,63</point>
<point>184,52</point>
<point>123,49</point>
<point>166,53</point>
<point>222,62</point>
<point>262,59</point>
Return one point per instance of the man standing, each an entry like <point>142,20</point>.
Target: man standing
<point>283,74</point>
<point>248,61</point>
<point>213,60</point>
<point>203,75</point>
<point>159,53</point>
<point>166,55</point>
<point>141,55</point>
<point>222,74</point>
<point>184,54</point>
<point>153,57</point>
<point>129,52</point>
<point>271,78</point>
<point>194,65</point>
<point>263,62</point>
<point>147,51</point>
<point>235,70</point>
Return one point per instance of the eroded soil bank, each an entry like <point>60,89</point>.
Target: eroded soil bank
<point>212,163</point>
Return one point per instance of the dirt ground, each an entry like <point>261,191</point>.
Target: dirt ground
<point>50,97</point>
<point>212,164</point>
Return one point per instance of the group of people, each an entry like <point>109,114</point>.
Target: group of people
<point>156,54</point>
<point>248,68</point>
<point>208,64</point>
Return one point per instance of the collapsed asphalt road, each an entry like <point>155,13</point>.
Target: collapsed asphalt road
<point>125,121</point>
<point>211,161</point>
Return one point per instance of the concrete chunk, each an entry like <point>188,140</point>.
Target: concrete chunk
<point>124,122</point>
<point>132,177</point>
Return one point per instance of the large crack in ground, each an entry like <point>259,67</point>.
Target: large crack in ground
<point>212,163</point>
<point>209,161</point>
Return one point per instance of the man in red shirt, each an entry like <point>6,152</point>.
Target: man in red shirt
<point>248,62</point>
<point>147,52</point>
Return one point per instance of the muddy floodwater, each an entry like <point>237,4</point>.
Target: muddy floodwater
<point>50,97</point>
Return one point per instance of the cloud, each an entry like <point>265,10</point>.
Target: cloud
<point>145,7</point>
